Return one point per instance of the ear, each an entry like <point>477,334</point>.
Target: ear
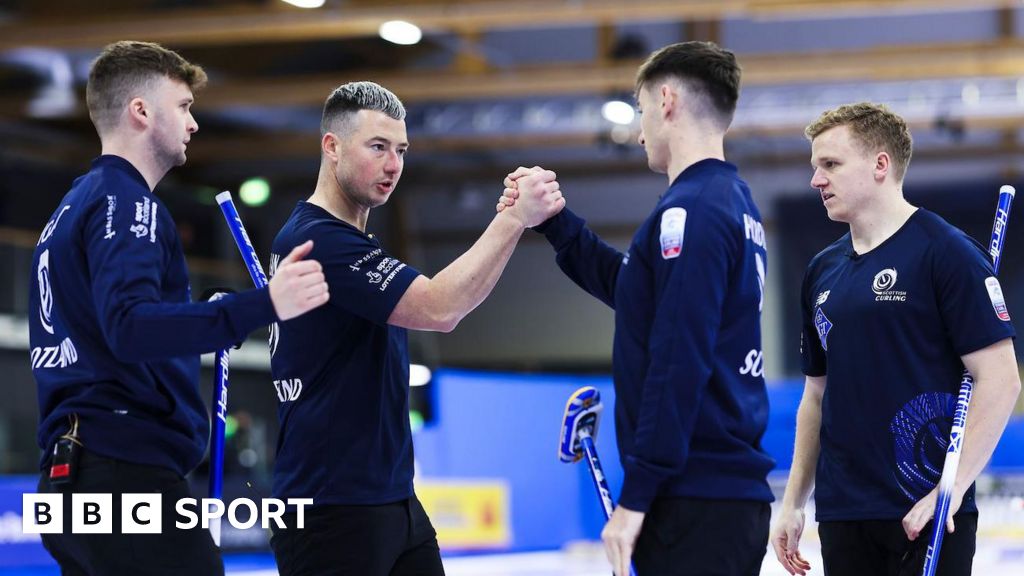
<point>138,112</point>
<point>330,145</point>
<point>883,166</point>
<point>669,99</point>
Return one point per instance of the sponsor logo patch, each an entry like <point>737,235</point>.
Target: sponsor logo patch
<point>823,325</point>
<point>673,226</point>
<point>145,220</point>
<point>109,231</point>
<point>995,294</point>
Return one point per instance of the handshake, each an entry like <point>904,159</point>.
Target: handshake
<point>531,195</point>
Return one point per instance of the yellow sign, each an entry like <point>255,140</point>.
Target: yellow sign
<point>467,513</point>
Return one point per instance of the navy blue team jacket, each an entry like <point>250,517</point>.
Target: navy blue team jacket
<point>341,372</point>
<point>114,336</point>
<point>691,404</point>
<point>888,328</point>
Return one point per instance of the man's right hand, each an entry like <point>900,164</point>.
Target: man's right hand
<point>785,540</point>
<point>298,285</point>
<point>533,195</point>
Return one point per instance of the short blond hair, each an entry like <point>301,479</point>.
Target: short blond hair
<point>875,126</point>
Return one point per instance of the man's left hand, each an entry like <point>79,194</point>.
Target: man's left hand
<point>924,511</point>
<point>619,536</point>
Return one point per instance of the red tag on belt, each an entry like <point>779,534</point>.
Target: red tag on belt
<point>60,471</point>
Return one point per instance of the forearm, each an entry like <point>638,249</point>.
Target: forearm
<point>459,288</point>
<point>996,387</point>
<point>588,261</point>
<point>991,405</point>
<point>154,331</point>
<point>805,453</point>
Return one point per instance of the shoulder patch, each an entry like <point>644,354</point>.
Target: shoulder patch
<point>673,225</point>
<point>995,294</point>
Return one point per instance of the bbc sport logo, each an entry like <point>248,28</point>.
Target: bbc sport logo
<point>142,513</point>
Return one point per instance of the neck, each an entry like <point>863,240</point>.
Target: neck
<point>137,153</point>
<point>878,223</point>
<point>329,196</point>
<point>689,148</point>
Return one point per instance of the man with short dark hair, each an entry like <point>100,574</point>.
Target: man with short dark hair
<point>690,398</point>
<point>892,314</point>
<point>343,371</point>
<point>115,339</point>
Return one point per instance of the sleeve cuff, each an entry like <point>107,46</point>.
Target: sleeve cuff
<point>639,488</point>
<point>561,229</point>
<point>253,308</point>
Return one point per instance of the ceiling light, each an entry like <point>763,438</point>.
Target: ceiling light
<point>305,3</point>
<point>400,32</point>
<point>618,112</point>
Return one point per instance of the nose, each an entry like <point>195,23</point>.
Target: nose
<point>394,163</point>
<point>818,181</point>
<point>640,138</point>
<point>192,125</point>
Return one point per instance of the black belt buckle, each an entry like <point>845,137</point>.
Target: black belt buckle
<point>65,461</point>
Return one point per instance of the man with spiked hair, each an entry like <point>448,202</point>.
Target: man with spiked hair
<point>892,314</point>
<point>343,372</point>
<point>690,398</point>
<point>115,338</point>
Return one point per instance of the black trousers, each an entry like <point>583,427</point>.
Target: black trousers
<point>881,547</point>
<point>173,552</point>
<point>686,536</point>
<point>387,540</point>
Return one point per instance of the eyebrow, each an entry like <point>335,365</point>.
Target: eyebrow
<point>386,141</point>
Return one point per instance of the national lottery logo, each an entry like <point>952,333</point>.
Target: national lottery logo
<point>143,513</point>
<point>995,294</point>
<point>883,285</point>
<point>673,228</point>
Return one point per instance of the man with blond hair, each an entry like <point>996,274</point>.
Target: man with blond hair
<point>892,314</point>
<point>115,339</point>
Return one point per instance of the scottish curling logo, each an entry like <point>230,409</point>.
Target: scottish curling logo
<point>883,285</point>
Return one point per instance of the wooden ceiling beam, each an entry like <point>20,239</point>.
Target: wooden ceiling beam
<point>1001,58</point>
<point>290,145</point>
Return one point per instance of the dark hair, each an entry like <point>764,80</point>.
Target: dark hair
<point>707,69</point>
<point>875,127</point>
<point>124,68</point>
<point>350,98</point>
